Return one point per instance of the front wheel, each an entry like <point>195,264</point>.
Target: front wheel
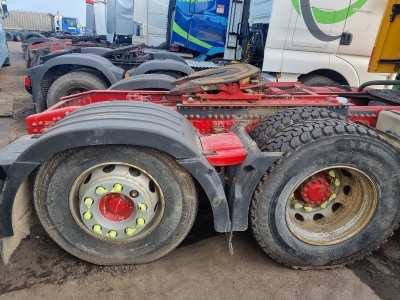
<point>331,199</point>
<point>113,205</point>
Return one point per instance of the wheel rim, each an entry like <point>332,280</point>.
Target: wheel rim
<point>326,214</point>
<point>74,91</point>
<point>116,202</point>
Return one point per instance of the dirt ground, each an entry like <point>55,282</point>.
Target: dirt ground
<point>201,267</point>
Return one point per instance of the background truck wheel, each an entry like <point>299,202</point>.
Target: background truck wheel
<point>9,36</point>
<point>7,62</point>
<point>19,36</point>
<point>73,83</point>
<point>316,80</point>
<point>331,199</point>
<point>113,205</point>
<point>279,121</point>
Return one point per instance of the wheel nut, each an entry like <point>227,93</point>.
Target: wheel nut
<point>112,234</point>
<point>140,222</point>
<point>134,194</point>
<point>130,231</point>
<point>117,188</point>
<point>100,190</point>
<point>308,208</point>
<point>323,205</point>
<point>332,173</point>
<point>142,207</point>
<point>333,196</point>
<point>337,182</point>
<point>88,202</point>
<point>97,229</point>
<point>87,215</point>
<point>296,204</point>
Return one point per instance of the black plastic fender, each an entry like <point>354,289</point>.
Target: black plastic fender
<point>122,123</point>
<point>111,72</point>
<point>145,81</point>
<point>167,55</point>
<point>161,65</point>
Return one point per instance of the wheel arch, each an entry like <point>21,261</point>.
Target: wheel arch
<point>332,74</point>
<point>166,65</point>
<point>167,131</point>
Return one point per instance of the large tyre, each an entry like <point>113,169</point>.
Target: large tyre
<point>73,83</point>
<point>9,36</point>
<point>80,204</point>
<point>19,36</point>
<point>279,121</point>
<point>145,82</point>
<point>316,80</point>
<point>355,210</point>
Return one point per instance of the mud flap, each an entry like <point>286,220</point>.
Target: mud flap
<point>21,220</point>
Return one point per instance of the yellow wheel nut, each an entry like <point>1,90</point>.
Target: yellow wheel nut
<point>130,231</point>
<point>324,205</point>
<point>296,204</point>
<point>333,196</point>
<point>112,234</point>
<point>88,202</point>
<point>308,208</point>
<point>87,215</point>
<point>100,190</point>
<point>140,222</point>
<point>117,188</point>
<point>337,182</point>
<point>97,229</point>
<point>332,173</point>
<point>142,207</point>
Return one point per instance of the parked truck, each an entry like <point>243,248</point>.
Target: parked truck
<point>314,172</point>
<point>29,21</point>
<point>4,56</point>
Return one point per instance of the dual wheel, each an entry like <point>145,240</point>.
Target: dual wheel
<point>331,199</point>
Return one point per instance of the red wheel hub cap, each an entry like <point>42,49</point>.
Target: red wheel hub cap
<point>116,207</point>
<point>316,191</point>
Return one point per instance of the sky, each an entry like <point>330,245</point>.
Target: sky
<point>68,8</point>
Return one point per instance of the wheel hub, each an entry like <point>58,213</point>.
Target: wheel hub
<point>116,207</point>
<point>316,191</point>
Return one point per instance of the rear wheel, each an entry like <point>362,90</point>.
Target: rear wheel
<point>74,83</point>
<point>19,36</point>
<point>331,199</point>
<point>115,204</point>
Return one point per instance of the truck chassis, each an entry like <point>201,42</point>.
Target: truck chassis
<point>116,173</point>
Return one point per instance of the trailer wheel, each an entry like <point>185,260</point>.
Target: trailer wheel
<point>113,205</point>
<point>19,36</point>
<point>279,121</point>
<point>74,83</point>
<point>331,199</point>
<point>9,36</point>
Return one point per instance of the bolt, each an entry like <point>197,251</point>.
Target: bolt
<point>197,116</point>
<point>140,222</point>
<point>87,215</point>
<point>333,197</point>
<point>142,207</point>
<point>337,182</point>
<point>308,208</point>
<point>88,202</point>
<point>191,116</point>
<point>134,193</point>
<point>112,234</point>
<point>97,229</point>
<point>296,204</point>
<point>117,188</point>
<point>130,231</point>
<point>209,116</point>
<point>332,173</point>
<point>100,190</point>
<point>323,205</point>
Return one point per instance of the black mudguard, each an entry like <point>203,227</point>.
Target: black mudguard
<point>36,74</point>
<point>161,65</point>
<point>116,122</point>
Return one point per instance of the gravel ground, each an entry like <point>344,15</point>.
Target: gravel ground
<point>201,267</point>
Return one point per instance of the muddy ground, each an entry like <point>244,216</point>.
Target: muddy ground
<point>201,267</point>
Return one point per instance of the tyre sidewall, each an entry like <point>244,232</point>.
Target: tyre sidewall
<point>365,154</point>
<point>179,213</point>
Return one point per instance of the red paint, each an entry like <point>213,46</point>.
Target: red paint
<point>224,149</point>
<point>316,190</point>
<point>116,207</point>
<point>27,82</point>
